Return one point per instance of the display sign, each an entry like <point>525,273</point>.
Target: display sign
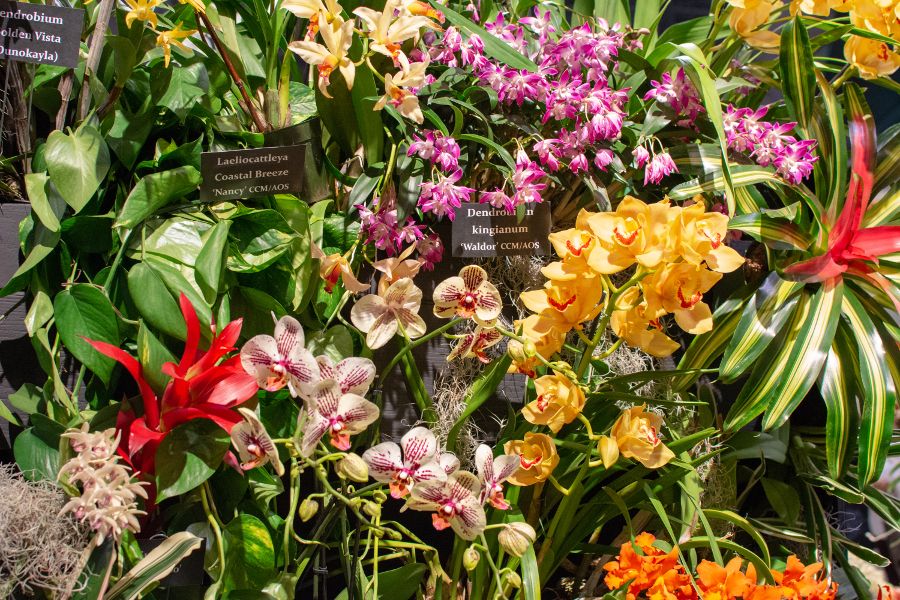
<point>40,33</point>
<point>252,172</point>
<point>480,230</point>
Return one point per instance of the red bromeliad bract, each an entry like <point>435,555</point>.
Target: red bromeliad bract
<point>201,387</point>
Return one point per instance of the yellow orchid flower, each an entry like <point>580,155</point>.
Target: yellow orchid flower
<point>573,246</point>
<point>166,39</point>
<point>336,267</point>
<point>387,32</point>
<point>338,36</point>
<point>401,98</point>
<point>746,19</point>
<point>878,16</point>
<point>537,458</point>
<point>678,288</point>
<point>701,237</point>
<point>142,10</point>
<point>568,303</point>
<point>635,434</point>
<point>418,8</point>
<point>873,58</point>
<point>631,323</point>
<point>559,401</point>
<point>195,4</point>
<point>468,295</point>
<point>546,338</point>
<point>821,8</point>
<point>635,233</point>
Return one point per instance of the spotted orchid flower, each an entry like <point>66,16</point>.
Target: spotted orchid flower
<point>330,411</point>
<point>473,344</point>
<point>380,316</point>
<point>468,295</point>
<point>493,472</point>
<point>417,463</point>
<point>454,502</point>
<point>353,375</point>
<point>449,462</point>
<point>281,360</point>
<point>253,443</point>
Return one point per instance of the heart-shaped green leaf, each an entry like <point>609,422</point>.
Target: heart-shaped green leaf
<point>77,161</point>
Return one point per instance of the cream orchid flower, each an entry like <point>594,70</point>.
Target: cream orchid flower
<point>338,414</point>
<point>455,503</point>
<point>396,91</point>
<point>281,360</point>
<point>381,316</point>
<point>404,466</point>
<point>387,32</point>
<point>494,470</point>
<point>468,295</point>
<point>396,268</point>
<point>338,36</point>
<point>314,10</point>
<point>473,345</point>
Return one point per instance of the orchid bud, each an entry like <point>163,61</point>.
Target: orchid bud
<point>352,467</point>
<point>516,351</point>
<point>379,497</point>
<point>511,581</point>
<point>308,509</point>
<point>372,509</point>
<point>516,538</point>
<point>471,558</point>
<point>530,349</point>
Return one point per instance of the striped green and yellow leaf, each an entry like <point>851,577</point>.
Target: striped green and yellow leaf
<point>158,563</point>
<point>798,81</point>
<point>838,384</point>
<point>775,233</point>
<point>763,317</point>
<point>718,182</point>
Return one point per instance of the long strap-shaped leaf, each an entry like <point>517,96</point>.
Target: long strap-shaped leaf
<point>834,130</point>
<point>808,354</point>
<point>763,317</point>
<point>798,80</point>
<point>877,389</point>
<point>838,384</point>
<point>158,563</point>
<point>719,182</point>
<point>779,384</point>
<point>775,233</point>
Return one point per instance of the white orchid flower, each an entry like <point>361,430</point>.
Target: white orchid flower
<point>398,91</point>
<point>381,316</point>
<point>340,415</point>
<point>280,360</point>
<point>353,375</point>
<point>493,472</point>
<point>253,443</point>
<point>404,466</point>
<point>387,31</point>
<point>455,503</point>
<point>338,35</point>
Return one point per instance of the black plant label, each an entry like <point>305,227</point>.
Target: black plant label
<point>250,173</point>
<point>480,230</point>
<point>40,33</point>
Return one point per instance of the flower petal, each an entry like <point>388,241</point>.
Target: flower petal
<point>383,329</point>
<point>470,521</point>
<point>366,310</point>
<point>473,276</point>
<point>355,375</point>
<point>357,412</point>
<point>449,462</point>
<point>419,446</point>
<point>384,460</point>
<point>288,335</point>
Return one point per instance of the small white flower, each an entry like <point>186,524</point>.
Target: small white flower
<point>253,443</point>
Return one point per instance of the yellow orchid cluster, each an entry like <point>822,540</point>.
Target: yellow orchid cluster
<point>680,253</point>
<point>145,11</point>
<point>872,57</point>
<point>384,32</point>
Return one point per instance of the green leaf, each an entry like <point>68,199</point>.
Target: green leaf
<point>783,498</point>
<point>775,233</point>
<point>36,456</point>
<point>77,162</point>
<point>154,301</point>
<point>741,175</point>
<point>257,240</point>
<point>188,456</point>
<point>877,389</point>
<point>43,241</point>
<point>531,580</point>
<point>482,389</point>
<point>127,133</point>
<point>371,129</point>
<point>249,554</point>
<point>83,311</point>
<point>836,384</point>
<point>152,355</point>
<point>693,31</point>
<point>504,155</point>
<point>46,202</point>
<point>336,343</point>
<point>764,316</point>
<point>780,383</point>
<point>211,260</point>
<point>798,79</point>
<point>155,566</point>
<point>493,46</point>
<point>156,191</point>
<point>400,583</point>
<point>699,71</point>
<point>184,86</point>
<point>741,522</point>
<point>40,311</point>
<point>836,131</point>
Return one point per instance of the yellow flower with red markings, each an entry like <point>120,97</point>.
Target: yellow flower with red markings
<point>537,458</point>
<point>635,233</point>
<point>678,288</point>
<point>700,238</point>
<point>568,303</point>
<point>873,58</point>
<point>559,401</point>
<point>469,295</point>
<point>631,323</point>
<point>635,434</point>
<point>338,36</point>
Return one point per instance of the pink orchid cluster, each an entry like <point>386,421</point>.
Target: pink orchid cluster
<point>434,483</point>
<point>769,143</point>
<point>656,165</point>
<point>570,91</point>
<point>382,228</point>
<point>679,95</point>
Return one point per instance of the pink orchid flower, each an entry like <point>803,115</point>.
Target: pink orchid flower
<point>493,472</point>
<point>455,503</point>
<point>340,415</point>
<point>281,360</point>
<point>417,463</point>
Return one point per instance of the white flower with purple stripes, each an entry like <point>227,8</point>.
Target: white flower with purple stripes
<point>340,415</point>
<point>455,503</point>
<point>281,360</point>
<point>493,472</point>
<point>468,295</point>
<point>404,466</point>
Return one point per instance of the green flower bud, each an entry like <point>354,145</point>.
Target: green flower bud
<point>379,497</point>
<point>352,467</point>
<point>470,558</point>
<point>511,581</point>
<point>308,509</point>
<point>516,538</point>
<point>372,509</point>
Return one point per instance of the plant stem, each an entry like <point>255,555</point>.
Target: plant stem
<point>105,584</point>
<point>410,346</point>
<point>214,525</point>
<point>249,106</point>
<point>289,520</point>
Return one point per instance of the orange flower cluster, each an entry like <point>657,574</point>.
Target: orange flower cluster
<point>659,576</point>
